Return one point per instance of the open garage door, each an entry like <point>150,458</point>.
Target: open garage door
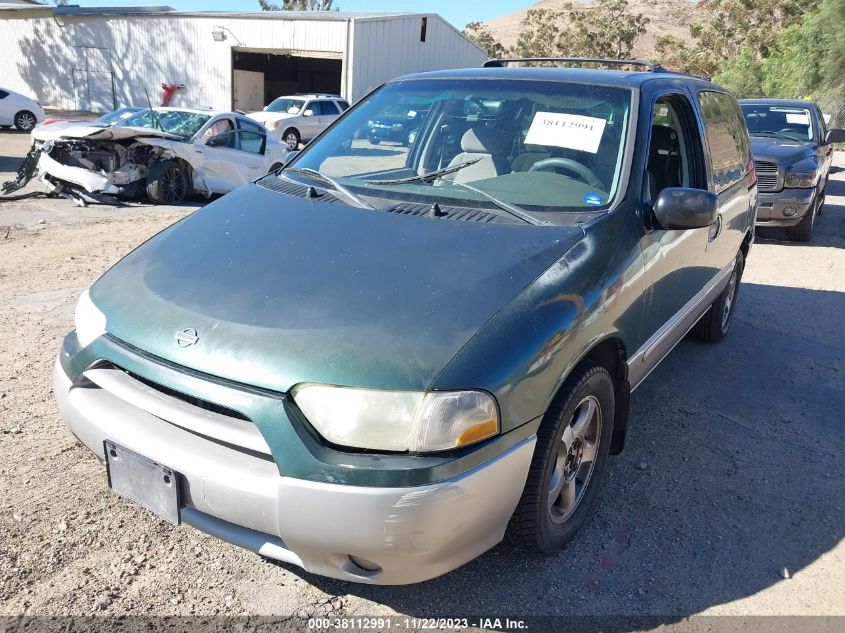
<point>284,73</point>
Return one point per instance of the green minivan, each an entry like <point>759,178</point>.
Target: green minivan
<point>382,359</point>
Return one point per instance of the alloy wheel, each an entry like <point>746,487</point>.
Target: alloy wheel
<point>727,310</point>
<point>25,121</point>
<point>575,460</point>
<point>173,185</point>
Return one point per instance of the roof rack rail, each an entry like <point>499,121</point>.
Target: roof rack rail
<point>316,94</point>
<point>500,62</point>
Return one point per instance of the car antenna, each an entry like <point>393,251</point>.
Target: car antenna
<point>153,113</point>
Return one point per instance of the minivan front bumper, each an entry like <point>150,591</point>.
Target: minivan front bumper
<point>378,535</point>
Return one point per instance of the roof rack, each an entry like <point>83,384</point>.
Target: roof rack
<point>317,94</point>
<point>500,62</point>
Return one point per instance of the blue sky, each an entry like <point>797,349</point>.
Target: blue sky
<point>458,12</point>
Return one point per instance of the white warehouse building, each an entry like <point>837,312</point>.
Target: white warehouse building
<point>99,59</point>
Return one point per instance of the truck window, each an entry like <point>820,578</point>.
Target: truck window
<point>727,139</point>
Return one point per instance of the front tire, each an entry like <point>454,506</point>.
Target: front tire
<point>25,121</point>
<point>716,322</point>
<point>569,459</point>
<point>167,183</point>
<point>292,138</point>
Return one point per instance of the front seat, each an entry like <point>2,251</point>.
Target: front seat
<point>663,160</point>
<point>485,145</point>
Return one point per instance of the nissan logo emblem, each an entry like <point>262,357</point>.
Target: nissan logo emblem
<point>187,337</point>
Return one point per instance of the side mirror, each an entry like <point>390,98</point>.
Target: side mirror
<point>308,113</point>
<point>214,141</point>
<point>835,135</point>
<point>682,208</point>
<point>290,156</point>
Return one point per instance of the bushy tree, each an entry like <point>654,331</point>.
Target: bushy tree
<point>296,5</point>
<point>606,29</point>
<point>479,34</point>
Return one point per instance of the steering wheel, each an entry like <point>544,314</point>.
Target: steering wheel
<point>585,174</point>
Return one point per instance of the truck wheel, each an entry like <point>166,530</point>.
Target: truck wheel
<point>25,121</point>
<point>569,458</point>
<point>714,325</point>
<point>803,231</point>
<point>167,183</point>
<point>292,138</point>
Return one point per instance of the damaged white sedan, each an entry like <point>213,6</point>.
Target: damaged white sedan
<point>164,154</point>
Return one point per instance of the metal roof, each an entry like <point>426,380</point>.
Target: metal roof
<point>166,11</point>
<point>789,103</point>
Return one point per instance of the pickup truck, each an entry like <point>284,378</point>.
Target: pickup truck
<point>376,365</point>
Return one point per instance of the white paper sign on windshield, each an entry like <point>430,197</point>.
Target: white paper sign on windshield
<point>799,119</point>
<point>571,131</point>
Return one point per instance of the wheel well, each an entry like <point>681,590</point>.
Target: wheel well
<point>611,354</point>
<point>746,244</point>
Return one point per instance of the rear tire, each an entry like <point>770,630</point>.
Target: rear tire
<point>25,121</point>
<point>803,231</point>
<point>167,183</point>
<point>716,322</point>
<point>569,459</point>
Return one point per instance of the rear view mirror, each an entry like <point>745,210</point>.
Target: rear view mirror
<point>682,208</point>
<point>835,135</point>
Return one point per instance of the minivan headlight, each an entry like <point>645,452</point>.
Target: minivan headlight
<point>799,180</point>
<point>89,320</point>
<point>419,422</point>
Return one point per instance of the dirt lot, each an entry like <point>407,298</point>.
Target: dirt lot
<point>733,469</point>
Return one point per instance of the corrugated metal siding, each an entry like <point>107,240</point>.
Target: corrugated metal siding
<point>145,52</point>
<point>47,58</point>
<point>387,48</point>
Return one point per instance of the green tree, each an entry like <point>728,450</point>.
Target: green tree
<point>479,34</point>
<point>296,5</point>
<point>606,29</point>
<point>729,27</point>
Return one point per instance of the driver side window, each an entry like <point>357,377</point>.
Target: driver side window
<point>671,150</point>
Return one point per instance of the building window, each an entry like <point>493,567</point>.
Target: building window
<point>423,29</point>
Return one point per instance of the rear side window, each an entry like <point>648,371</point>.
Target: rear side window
<point>326,108</point>
<point>342,105</point>
<point>727,138</point>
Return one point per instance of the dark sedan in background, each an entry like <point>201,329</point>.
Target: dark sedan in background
<point>398,124</point>
<point>792,150</point>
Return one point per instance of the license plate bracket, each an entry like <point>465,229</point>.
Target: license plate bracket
<point>144,481</point>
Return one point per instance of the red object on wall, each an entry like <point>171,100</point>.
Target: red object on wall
<point>169,91</point>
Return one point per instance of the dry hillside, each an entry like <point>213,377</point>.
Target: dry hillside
<point>667,17</point>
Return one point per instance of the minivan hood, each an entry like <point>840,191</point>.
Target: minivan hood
<point>780,151</point>
<point>282,290</point>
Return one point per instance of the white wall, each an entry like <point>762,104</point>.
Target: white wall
<point>43,54</point>
<point>386,48</point>
<point>145,52</point>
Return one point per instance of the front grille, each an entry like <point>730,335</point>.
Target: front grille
<point>205,405</point>
<point>767,176</point>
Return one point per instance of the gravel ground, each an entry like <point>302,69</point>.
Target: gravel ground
<point>732,477</point>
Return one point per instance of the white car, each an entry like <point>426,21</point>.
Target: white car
<point>18,110</point>
<point>164,154</point>
<point>300,117</point>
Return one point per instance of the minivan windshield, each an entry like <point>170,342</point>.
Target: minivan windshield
<point>541,146</point>
<point>777,120</point>
<point>285,105</point>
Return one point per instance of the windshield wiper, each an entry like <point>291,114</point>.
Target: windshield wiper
<point>512,209</point>
<point>438,174</point>
<point>774,134</point>
<point>316,175</point>
<point>429,177</point>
